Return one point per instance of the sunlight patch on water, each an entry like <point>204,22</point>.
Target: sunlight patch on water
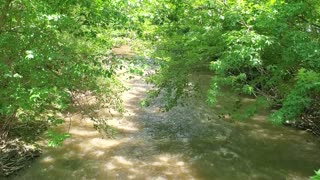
<point>110,166</point>
<point>164,166</point>
<point>171,163</point>
<point>102,143</point>
<point>123,125</point>
<point>98,153</point>
<point>83,132</point>
<point>122,160</point>
<point>248,100</point>
<point>164,158</point>
<point>48,159</point>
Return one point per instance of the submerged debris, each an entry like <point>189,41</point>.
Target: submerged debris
<point>14,155</point>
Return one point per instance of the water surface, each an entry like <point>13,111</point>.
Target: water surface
<point>189,142</point>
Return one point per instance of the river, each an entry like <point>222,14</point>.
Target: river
<point>189,142</point>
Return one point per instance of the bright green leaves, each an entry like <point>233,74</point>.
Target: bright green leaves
<point>308,80</point>
<point>213,91</point>
<point>55,121</point>
<point>48,50</point>
<point>247,89</point>
<point>244,48</point>
<point>241,58</point>
<point>316,176</point>
<point>300,97</point>
<point>56,139</point>
<point>133,69</point>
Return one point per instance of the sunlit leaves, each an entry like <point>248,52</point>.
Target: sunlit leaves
<point>213,92</point>
<point>244,48</point>
<point>49,49</point>
<point>56,139</point>
<point>55,121</point>
<point>300,97</point>
<point>316,176</point>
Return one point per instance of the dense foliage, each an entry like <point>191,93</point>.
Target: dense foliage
<point>263,48</point>
<point>51,50</point>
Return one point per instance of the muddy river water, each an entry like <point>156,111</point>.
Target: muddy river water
<point>188,142</point>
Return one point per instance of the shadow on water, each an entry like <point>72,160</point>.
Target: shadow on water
<point>188,142</point>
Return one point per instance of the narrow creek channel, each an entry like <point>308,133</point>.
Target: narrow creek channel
<point>188,142</point>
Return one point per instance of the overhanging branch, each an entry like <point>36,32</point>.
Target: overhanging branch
<point>307,21</point>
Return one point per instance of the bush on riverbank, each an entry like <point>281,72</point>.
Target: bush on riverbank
<point>260,48</point>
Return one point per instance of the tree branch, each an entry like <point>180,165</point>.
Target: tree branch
<point>307,21</point>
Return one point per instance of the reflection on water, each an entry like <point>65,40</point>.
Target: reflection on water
<point>188,142</point>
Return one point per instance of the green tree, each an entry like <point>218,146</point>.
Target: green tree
<point>47,48</point>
